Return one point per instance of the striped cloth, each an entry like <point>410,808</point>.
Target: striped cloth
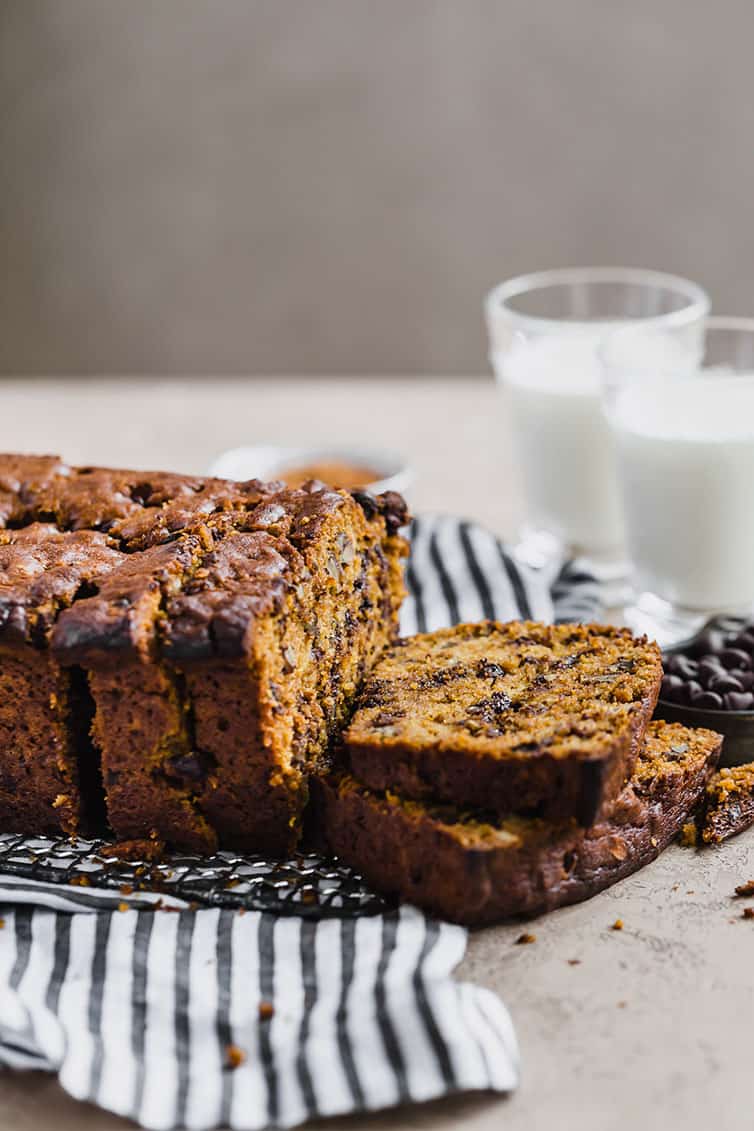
<point>458,571</point>
<point>207,1018</point>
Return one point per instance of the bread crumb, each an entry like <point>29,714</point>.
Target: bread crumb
<point>617,925</point>
<point>745,889</point>
<point>2,924</point>
<point>123,906</point>
<point>266,1010</point>
<point>688,835</point>
<point>574,961</point>
<point>622,1005</point>
<point>79,881</point>
<point>522,940</point>
<point>126,889</point>
<point>60,800</point>
<point>234,1056</point>
<point>748,913</point>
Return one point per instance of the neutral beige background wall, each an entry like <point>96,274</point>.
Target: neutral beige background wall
<point>331,185</point>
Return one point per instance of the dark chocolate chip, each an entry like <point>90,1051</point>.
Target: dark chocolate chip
<point>487,670</point>
<point>489,709</point>
<point>710,666</point>
<point>367,503</point>
<point>708,701</point>
<point>689,690</point>
<point>683,666</point>
<point>745,641</point>
<point>672,686</point>
<point>746,679</point>
<point>711,641</point>
<point>735,658</point>
<point>724,683</point>
<point>739,701</point>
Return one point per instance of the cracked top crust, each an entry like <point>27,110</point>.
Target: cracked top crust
<point>129,562</point>
<point>43,570</point>
<point>245,577</point>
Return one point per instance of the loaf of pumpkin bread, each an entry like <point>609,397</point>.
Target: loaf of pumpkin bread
<point>201,642</point>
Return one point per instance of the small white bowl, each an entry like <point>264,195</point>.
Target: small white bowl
<point>268,461</point>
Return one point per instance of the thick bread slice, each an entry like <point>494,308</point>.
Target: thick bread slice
<point>469,870</point>
<point>545,720</point>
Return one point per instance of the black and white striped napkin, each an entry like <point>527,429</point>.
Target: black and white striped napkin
<point>207,1018</point>
<point>458,571</point>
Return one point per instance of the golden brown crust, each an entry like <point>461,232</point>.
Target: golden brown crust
<point>478,870</point>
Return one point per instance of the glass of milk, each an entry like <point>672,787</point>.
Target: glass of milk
<point>684,437</point>
<point>545,331</point>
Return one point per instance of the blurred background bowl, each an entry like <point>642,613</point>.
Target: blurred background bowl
<point>374,469</point>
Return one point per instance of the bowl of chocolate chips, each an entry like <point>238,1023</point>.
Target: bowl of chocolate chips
<point>709,682</point>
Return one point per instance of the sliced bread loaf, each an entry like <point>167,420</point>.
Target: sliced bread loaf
<point>477,869</point>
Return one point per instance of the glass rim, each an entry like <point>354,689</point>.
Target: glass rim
<point>713,323</point>
<point>498,299</point>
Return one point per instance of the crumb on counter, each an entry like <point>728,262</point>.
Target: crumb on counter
<point>688,835</point>
<point>617,925</point>
<point>266,1010</point>
<point>745,889</point>
<point>524,939</point>
<point>234,1056</point>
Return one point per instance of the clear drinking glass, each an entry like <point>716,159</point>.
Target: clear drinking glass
<point>545,331</point>
<point>683,431</point>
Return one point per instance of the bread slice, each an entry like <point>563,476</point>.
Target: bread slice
<point>522,717</point>
<point>728,803</point>
<point>141,726</point>
<point>476,870</point>
<point>49,776</point>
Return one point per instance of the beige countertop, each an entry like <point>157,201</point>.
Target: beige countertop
<point>652,1028</point>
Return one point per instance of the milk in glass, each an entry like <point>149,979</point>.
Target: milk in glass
<point>562,438</point>
<point>686,453</point>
